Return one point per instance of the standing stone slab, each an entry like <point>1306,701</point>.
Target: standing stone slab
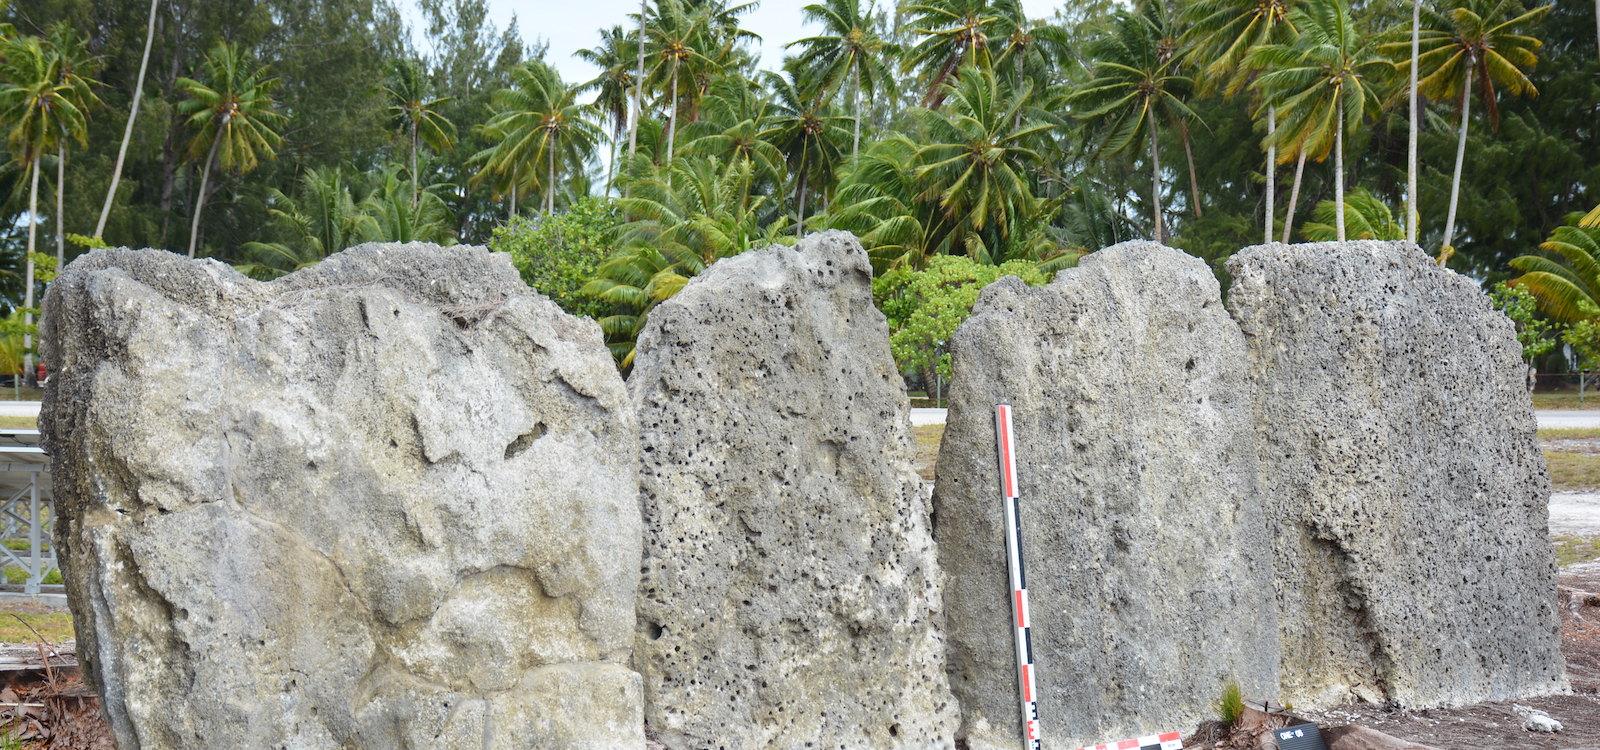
<point>1403,478</point>
<point>1146,552</point>
<point>389,501</point>
<point>790,595</point>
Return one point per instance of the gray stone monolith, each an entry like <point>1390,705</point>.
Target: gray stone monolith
<point>1144,537</point>
<point>1403,478</point>
<point>790,595</point>
<point>387,501</point>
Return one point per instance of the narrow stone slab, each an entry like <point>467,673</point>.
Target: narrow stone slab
<point>1145,544</point>
<point>790,595</point>
<point>388,501</point>
<point>1403,478</point>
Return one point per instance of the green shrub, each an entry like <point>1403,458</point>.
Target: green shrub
<point>557,254</point>
<point>925,307</point>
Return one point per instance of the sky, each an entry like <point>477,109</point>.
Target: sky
<point>571,25</point>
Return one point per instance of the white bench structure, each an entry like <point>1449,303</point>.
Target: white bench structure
<point>24,505</point>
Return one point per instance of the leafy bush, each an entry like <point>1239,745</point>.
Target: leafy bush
<point>925,307</point>
<point>557,254</point>
<point>1534,333</point>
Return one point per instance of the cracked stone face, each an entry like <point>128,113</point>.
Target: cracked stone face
<point>1402,477</point>
<point>1148,570</point>
<point>790,595</point>
<point>389,501</point>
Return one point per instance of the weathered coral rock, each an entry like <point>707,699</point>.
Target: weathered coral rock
<point>790,595</point>
<point>1147,558</point>
<point>389,501</point>
<point>1403,478</point>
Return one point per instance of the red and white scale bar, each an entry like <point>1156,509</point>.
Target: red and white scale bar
<point>1005,442</point>
<point>1168,741</point>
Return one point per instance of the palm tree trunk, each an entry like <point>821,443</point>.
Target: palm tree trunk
<point>855,93</point>
<point>638,87</point>
<point>1272,169</point>
<point>611,166</point>
<point>1411,143</point>
<point>1338,172</point>
<point>28,372</point>
<point>61,203</point>
<point>550,179</point>
<point>672,120</point>
<point>1155,182</point>
<point>200,200</point>
<point>1294,196</point>
<point>800,194</point>
<point>1188,153</point>
<point>1461,155</point>
<point>127,130</point>
<point>511,207</point>
<point>416,195</point>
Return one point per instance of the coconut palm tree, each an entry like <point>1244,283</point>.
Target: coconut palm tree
<point>849,50</point>
<point>1134,87</point>
<point>1321,85</point>
<point>74,69</point>
<point>396,218</point>
<point>39,110</point>
<point>1366,217</point>
<point>127,129</point>
<point>1566,279</point>
<point>612,88</point>
<point>976,160</point>
<point>1413,115</point>
<point>320,220</point>
<point>1025,48</point>
<point>955,34</point>
<point>1222,32</point>
<point>1477,45</point>
<point>539,121</point>
<point>682,223</point>
<point>416,115</point>
<point>809,131</point>
<point>681,41</point>
<point>233,116</point>
<point>732,129</point>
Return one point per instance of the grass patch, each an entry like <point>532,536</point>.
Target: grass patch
<point>1573,471</point>
<point>19,423</point>
<point>1567,399</point>
<point>927,439</point>
<point>17,576</point>
<point>1571,550</point>
<point>1570,433</point>
<point>54,626</point>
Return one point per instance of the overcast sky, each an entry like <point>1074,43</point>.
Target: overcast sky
<point>570,25</point>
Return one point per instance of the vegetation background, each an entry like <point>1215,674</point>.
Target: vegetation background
<point>959,138</point>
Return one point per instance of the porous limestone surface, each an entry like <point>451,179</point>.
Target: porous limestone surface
<point>1148,574</point>
<point>1402,477</point>
<point>790,595</point>
<point>387,501</point>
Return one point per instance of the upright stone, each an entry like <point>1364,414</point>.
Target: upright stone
<point>790,595</point>
<point>1403,479</point>
<point>388,501</point>
<point>1146,552</point>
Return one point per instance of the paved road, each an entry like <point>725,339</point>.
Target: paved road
<point>1569,418</point>
<point>31,409</point>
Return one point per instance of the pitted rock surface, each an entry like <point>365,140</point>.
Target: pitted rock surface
<point>388,501</point>
<point>790,595</point>
<point>1403,477</point>
<point>1146,553</point>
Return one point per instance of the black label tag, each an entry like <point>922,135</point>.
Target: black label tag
<point>1299,737</point>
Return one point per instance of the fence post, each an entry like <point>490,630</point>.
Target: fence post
<point>36,569</point>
